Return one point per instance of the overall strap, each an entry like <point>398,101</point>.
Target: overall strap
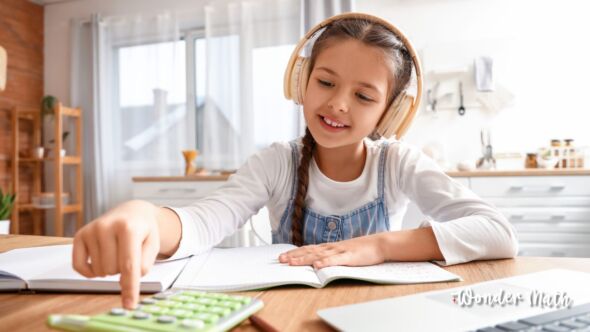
<point>295,156</point>
<point>382,160</point>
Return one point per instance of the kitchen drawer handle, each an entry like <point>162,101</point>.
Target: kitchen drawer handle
<point>555,187</point>
<point>554,217</point>
<point>177,190</point>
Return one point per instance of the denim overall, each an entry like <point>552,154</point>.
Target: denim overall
<point>368,219</point>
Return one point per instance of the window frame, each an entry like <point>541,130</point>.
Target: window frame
<point>190,37</point>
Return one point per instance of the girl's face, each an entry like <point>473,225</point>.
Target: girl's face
<point>346,93</point>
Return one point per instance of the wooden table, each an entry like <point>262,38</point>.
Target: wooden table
<point>287,308</point>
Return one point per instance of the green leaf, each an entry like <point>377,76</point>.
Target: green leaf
<point>48,104</point>
<point>6,204</point>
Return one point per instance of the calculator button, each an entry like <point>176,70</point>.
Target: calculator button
<point>141,315</point>
<point>230,304</point>
<point>192,324</point>
<point>242,299</point>
<point>219,311</point>
<point>181,298</point>
<point>206,317</point>
<point>218,296</point>
<point>164,295</point>
<point>154,309</point>
<point>166,319</point>
<point>117,312</point>
<point>168,304</point>
<point>148,301</point>
<point>194,306</point>
<point>180,313</point>
<point>204,300</point>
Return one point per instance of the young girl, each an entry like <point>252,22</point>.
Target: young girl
<point>336,193</point>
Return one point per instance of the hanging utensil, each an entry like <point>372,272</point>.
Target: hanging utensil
<point>461,107</point>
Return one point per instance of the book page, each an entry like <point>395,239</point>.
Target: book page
<point>50,267</point>
<point>247,268</point>
<point>389,273</point>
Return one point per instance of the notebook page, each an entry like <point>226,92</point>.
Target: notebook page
<point>389,273</point>
<point>53,266</point>
<point>244,268</point>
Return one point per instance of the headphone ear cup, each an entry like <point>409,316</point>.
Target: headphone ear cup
<point>299,78</point>
<point>394,118</point>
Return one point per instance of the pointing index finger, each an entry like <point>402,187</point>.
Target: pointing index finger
<point>130,269</point>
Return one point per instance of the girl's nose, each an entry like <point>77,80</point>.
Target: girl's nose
<point>338,103</point>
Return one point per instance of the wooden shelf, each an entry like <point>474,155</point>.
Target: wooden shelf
<point>40,172</point>
<point>67,160</point>
<point>71,160</point>
<point>66,208</point>
<point>73,112</point>
<point>26,116</point>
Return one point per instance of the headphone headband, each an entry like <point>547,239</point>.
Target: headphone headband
<point>296,68</point>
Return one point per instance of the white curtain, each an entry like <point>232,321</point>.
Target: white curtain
<point>128,75</point>
<point>315,11</point>
<point>248,46</point>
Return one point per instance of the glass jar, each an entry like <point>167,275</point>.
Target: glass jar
<point>569,153</point>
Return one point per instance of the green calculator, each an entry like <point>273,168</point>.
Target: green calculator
<point>173,310</point>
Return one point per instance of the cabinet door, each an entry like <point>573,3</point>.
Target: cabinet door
<point>531,186</point>
<point>174,190</point>
<point>551,214</point>
<point>554,250</point>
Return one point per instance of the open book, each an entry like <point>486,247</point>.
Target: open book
<point>239,269</point>
<point>50,268</point>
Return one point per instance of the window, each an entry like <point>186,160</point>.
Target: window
<point>161,97</point>
<point>152,103</point>
<point>275,117</point>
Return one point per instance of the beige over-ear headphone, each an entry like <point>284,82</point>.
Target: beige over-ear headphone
<point>397,118</point>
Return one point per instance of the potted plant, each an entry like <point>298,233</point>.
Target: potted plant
<point>6,204</point>
<point>48,105</point>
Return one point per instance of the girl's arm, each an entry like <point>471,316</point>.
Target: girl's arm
<point>208,220</point>
<point>128,238</point>
<point>463,226</point>
<point>466,227</point>
<point>413,245</point>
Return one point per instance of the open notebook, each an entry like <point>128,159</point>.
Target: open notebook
<point>239,269</point>
<point>50,268</point>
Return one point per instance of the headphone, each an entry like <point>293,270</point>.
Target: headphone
<point>397,117</point>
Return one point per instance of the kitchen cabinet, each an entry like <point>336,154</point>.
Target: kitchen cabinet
<point>551,213</point>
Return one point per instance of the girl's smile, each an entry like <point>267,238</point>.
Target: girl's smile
<point>332,125</point>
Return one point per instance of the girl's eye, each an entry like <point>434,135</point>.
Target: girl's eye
<point>364,97</point>
<point>325,83</point>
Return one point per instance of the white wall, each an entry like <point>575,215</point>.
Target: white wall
<point>541,53</point>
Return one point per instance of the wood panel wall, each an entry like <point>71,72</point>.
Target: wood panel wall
<point>21,34</point>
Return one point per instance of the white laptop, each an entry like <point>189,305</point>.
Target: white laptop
<point>455,309</point>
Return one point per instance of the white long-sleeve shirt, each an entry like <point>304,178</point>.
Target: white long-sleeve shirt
<point>466,227</point>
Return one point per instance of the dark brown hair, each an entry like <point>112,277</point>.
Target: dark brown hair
<point>399,61</point>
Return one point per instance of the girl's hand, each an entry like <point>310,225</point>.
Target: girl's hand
<point>125,240</point>
<point>364,250</point>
